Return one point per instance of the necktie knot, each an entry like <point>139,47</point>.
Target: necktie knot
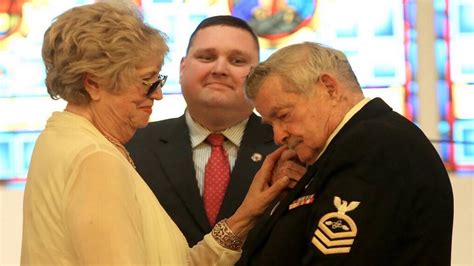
<point>215,139</point>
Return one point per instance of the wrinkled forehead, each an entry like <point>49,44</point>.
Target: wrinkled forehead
<point>270,96</point>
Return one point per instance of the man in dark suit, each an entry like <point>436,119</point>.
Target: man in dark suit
<point>171,155</point>
<point>376,191</point>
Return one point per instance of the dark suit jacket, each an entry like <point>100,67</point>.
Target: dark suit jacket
<point>163,157</point>
<point>405,214</point>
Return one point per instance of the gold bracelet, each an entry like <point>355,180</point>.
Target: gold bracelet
<point>225,237</point>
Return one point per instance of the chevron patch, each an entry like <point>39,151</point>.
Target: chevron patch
<point>336,230</point>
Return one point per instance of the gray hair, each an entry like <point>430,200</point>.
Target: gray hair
<point>108,40</point>
<point>299,66</point>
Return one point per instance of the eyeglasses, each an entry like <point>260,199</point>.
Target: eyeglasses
<point>153,86</point>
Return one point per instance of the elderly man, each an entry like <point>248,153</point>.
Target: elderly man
<point>375,192</point>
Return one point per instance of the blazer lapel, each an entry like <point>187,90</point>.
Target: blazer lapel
<point>175,152</point>
<point>257,139</point>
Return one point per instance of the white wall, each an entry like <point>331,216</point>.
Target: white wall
<point>463,230</point>
<point>11,202</point>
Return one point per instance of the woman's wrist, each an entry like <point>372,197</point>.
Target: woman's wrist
<point>225,236</point>
<point>241,223</point>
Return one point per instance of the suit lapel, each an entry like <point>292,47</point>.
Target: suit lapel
<point>257,138</point>
<point>175,153</point>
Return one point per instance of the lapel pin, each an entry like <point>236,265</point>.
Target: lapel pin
<point>256,157</point>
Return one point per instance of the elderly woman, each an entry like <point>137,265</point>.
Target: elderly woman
<point>84,202</point>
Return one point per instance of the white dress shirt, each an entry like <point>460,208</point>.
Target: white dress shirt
<point>202,150</point>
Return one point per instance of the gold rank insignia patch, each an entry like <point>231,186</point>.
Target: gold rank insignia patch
<point>336,231</point>
<point>308,199</point>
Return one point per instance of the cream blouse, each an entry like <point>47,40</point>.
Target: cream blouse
<point>85,204</point>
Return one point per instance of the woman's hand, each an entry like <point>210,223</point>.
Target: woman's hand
<point>263,190</point>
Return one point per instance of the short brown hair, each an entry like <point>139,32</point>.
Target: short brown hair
<point>223,20</point>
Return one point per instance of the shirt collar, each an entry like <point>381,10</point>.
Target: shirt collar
<point>199,133</point>
<point>356,108</point>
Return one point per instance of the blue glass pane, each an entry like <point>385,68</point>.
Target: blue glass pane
<point>5,160</point>
<point>27,151</point>
<point>385,27</point>
<point>466,18</point>
<point>469,138</point>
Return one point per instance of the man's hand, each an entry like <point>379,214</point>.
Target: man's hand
<point>288,165</point>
